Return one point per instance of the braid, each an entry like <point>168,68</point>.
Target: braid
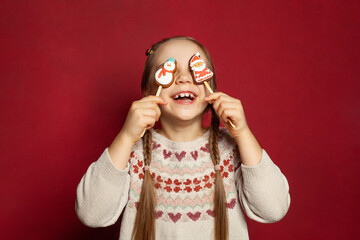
<point>144,227</point>
<point>221,218</point>
<point>213,139</point>
<point>147,147</point>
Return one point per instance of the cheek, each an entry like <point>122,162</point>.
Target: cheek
<point>202,94</point>
<point>161,108</point>
<point>202,91</point>
<point>165,92</point>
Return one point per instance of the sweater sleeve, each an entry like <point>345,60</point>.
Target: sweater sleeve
<point>263,191</point>
<point>102,193</point>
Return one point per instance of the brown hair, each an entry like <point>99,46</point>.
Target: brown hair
<point>144,227</point>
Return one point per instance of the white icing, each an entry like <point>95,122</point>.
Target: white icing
<point>167,78</point>
<point>170,66</point>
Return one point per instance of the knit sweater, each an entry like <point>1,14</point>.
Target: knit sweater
<point>183,176</point>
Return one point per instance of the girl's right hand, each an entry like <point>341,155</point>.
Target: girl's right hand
<point>143,113</point>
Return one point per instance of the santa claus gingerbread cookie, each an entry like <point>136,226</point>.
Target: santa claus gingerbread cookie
<point>200,71</point>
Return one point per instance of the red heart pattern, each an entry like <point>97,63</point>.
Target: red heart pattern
<point>180,156</point>
<point>194,155</point>
<point>206,148</point>
<point>194,216</point>
<point>175,217</point>
<point>155,145</point>
<point>158,214</point>
<point>211,213</point>
<point>167,154</point>
<point>231,204</point>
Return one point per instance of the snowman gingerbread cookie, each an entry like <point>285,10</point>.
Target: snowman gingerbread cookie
<point>164,77</point>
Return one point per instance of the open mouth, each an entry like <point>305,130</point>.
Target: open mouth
<point>184,97</point>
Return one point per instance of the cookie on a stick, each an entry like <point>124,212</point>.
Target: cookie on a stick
<point>202,74</point>
<point>164,77</point>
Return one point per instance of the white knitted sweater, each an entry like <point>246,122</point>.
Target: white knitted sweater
<point>183,175</point>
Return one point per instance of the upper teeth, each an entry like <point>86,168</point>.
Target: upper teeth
<point>184,95</point>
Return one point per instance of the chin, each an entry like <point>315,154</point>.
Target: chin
<point>186,116</point>
<point>183,114</point>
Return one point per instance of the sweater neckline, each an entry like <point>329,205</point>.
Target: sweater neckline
<point>182,145</point>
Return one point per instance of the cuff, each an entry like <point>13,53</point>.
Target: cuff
<point>108,170</point>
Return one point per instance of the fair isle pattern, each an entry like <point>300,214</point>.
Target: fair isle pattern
<point>184,180</point>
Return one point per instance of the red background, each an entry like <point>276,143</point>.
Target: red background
<point>70,69</point>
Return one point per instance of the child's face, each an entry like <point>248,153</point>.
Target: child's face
<point>181,109</point>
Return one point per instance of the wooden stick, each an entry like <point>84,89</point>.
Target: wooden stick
<point>158,91</point>
<point>232,125</point>
<point>208,87</point>
<point>142,134</point>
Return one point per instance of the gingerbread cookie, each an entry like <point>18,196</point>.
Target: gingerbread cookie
<point>200,72</point>
<point>165,76</point>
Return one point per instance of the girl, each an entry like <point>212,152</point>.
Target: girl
<point>183,181</point>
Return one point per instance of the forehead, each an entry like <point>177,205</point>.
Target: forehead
<point>180,49</point>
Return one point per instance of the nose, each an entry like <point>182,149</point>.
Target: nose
<point>183,77</point>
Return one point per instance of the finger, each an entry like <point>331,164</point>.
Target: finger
<point>229,114</point>
<point>221,97</point>
<point>149,105</point>
<point>148,112</point>
<point>213,96</point>
<point>151,113</point>
<point>223,106</point>
<point>139,111</point>
<point>226,99</point>
<point>220,100</point>
<point>156,99</point>
<point>147,122</point>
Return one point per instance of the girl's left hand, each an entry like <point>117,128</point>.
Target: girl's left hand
<point>229,108</point>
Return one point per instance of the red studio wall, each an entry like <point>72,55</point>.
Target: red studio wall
<point>70,70</point>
